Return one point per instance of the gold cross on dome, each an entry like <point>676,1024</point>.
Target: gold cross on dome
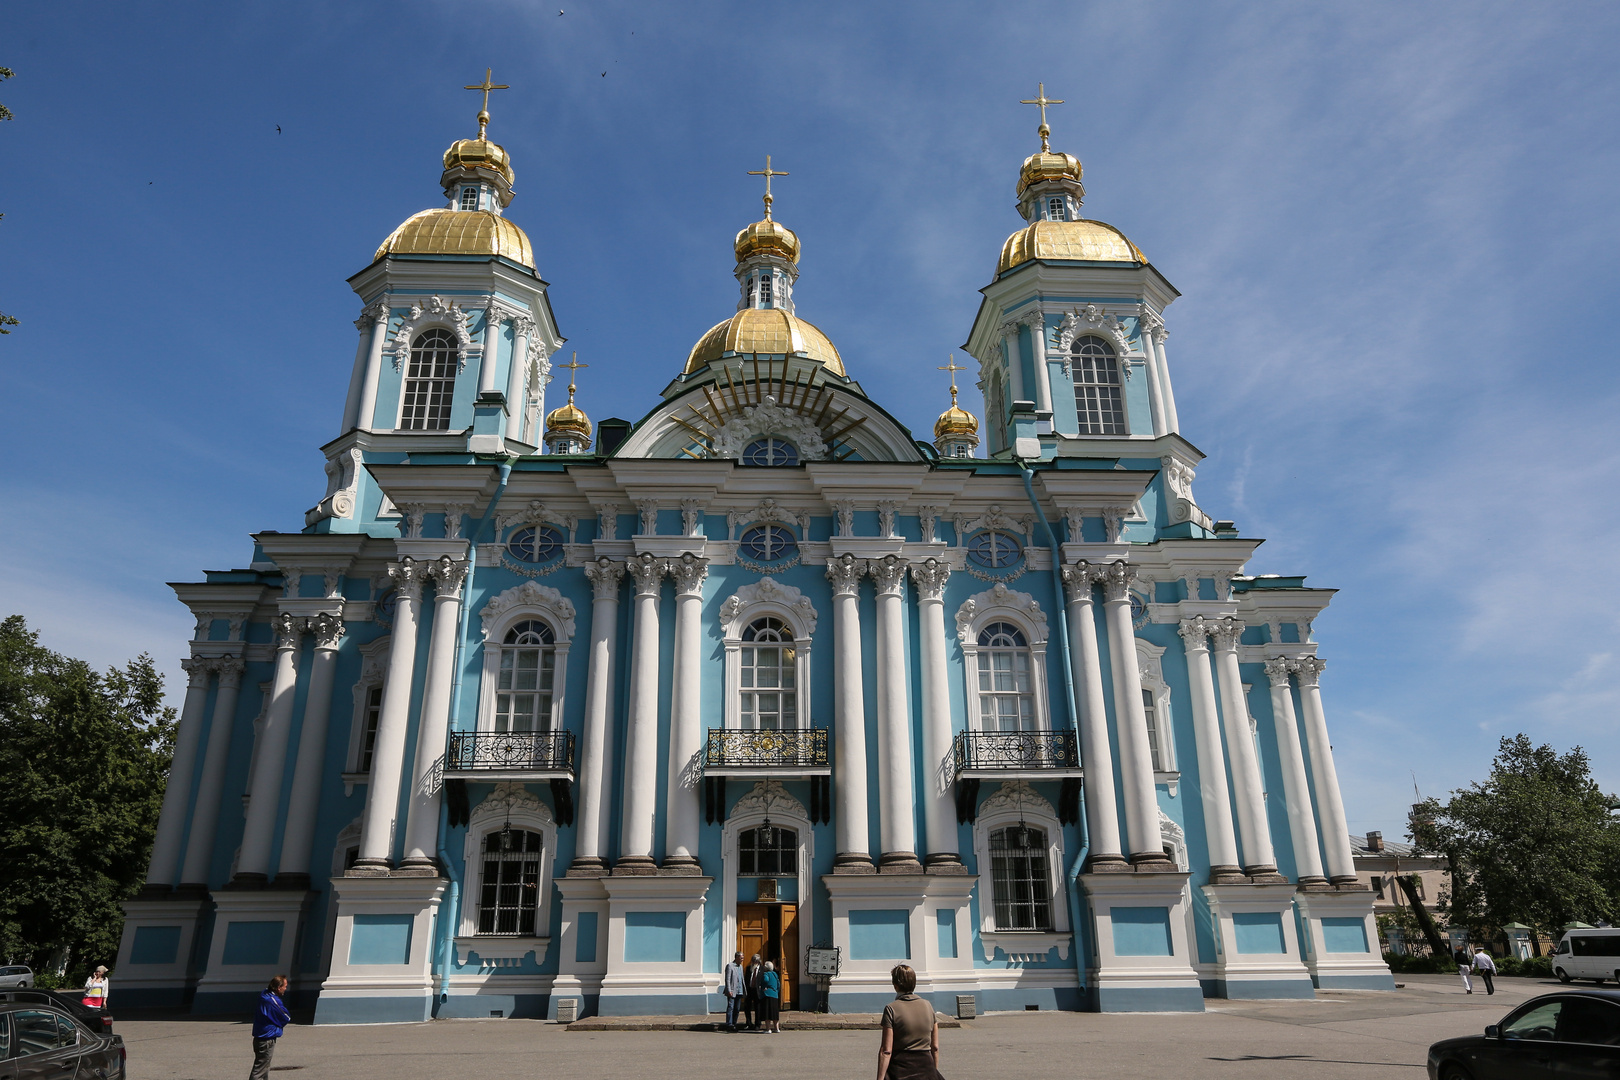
<point>572,367</point>
<point>486,86</point>
<point>767,173</point>
<point>1043,101</point>
<point>953,367</point>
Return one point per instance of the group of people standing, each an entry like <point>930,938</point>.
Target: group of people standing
<point>1479,964</point>
<point>754,995</point>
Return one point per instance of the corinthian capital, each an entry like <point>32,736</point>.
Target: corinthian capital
<point>930,576</point>
<point>407,578</point>
<point>1117,579</point>
<point>450,573</point>
<point>1278,671</point>
<point>196,670</point>
<point>1226,633</point>
<point>889,573</point>
<point>230,670</point>
<point>1195,632</point>
<point>328,630</point>
<point>647,572</point>
<point>604,575</point>
<point>689,572</point>
<point>845,574</point>
<point>1309,669</point>
<point>1078,581</point>
<point>288,629</point>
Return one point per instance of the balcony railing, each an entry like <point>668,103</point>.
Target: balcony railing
<point>1016,751</point>
<point>536,753</point>
<point>787,749</point>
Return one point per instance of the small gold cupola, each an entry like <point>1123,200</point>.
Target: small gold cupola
<point>956,432</point>
<point>568,429</point>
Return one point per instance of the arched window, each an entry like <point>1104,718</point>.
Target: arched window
<point>1054,209</point>
<point>535,544</point>
<point>430,382</point>
<point>1097,396</point>
<point>769,694</point>
<point>509,890</point>
<point>771,452</point>
<point>1019,878</point>
<point>764,289</point>
<point>767,543</point>
<point>768,851</point>
<point>469,198</point>
<point>523,690</point>
<point>1006,695</point>
<point>995,550</point>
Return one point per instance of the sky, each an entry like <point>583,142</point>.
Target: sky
<point>1392,225</point>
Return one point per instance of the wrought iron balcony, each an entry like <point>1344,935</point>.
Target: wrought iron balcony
<point>1014,753</point>
<point>510,755</point>
<point>788,751</point>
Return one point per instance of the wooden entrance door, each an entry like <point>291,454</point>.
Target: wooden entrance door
<point>772,930</point>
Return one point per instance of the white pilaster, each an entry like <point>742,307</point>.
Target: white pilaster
<point>1255,833</point>
<point>165,864</point>
<point>490,356</point>
<point>1102,812</point>
<point>1164,377</point>
<point>1135,752</point>
<point>1155,391</point>
<point>264,807</point>
<point>393,720</point>
<point>1217,804</point>
<point>939,774</point>
<point>433,728</point>
<point>897,829</point>
<point>211,785</point>
<point>1015,365</point>
<point>683,810</point>
<point>1043,378</point>
<point>304,800</point>
<point>641,721</point>
<point>365,325</point>
<point>1341,865</point>
<point>850,821</point>
<point>522,330</point>
<point>366,418</point>
<point>590,840</point>
<point>1296,789</point>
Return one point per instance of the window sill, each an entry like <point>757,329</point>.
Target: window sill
<point>1025,946</point>
<point>1171,780</point>
<point>352,778</point>
<point>495,953</point>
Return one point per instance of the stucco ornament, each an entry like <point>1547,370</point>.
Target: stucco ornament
<point>767,591</point>
<point>531,594</point>
<point>770,799</point>
<point>768,510</point>
<point>436,312</point>
<point>508,800</point>
<point>1017,796</point>
<point>999,597</point>
<point>769,418</point>
<point>1091,319</point>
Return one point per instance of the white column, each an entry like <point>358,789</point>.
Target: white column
<point>433,727</point>
<point>1253,830</point>
<point>683,814</point>
<point>366,418</point>
<point>939,773</point>
<point>851,821</point>
<point>264,807</point>
<point>517,376</point>
<point>1015,364</point>
<point>1096,749</point>
<point>591,838</point>
<point>491,354</point>
<point>1043,379</point>
<point>1296,789</point>
<point>1341,865</point>
<point>393,722</point>
<point>1135,752</point>
<point>165,864</point>
<point>366,325</point>
<point>1170,419</point>
<point>1206,717</point>
<point>897,828</point>
<point>1155,391</point>
<point>211,785</point>
<point>303,802</point>
<point>641,721</point>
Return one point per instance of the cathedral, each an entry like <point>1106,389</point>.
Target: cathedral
<point>527,718</point>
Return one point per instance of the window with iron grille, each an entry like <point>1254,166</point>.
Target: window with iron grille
<point>769,686</point>
<point>768,851</point>
<point>509,891</point>
<point>430,383</point>
<point>1151,711</point>
<point>1097,395</point>
<point>768,543</point>
<point>523,690</point>
<point>1020,884</point>
<point>469,198</point>
<point>1006,696</point>
<point>368,740</point>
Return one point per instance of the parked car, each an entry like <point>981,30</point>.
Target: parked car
<point>1588,954</point>
<point>95,1019</point>
<point>1572,1034</point>
<point>43,1041</point>
<point>16,976</point>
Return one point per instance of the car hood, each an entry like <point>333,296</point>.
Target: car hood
<point>1466,1042</point>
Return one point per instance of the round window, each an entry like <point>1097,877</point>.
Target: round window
<point>994,550</point>
<point>768,543</point>
<point>1139,607</point>
<point>770,452</point>
<point>535,544</point>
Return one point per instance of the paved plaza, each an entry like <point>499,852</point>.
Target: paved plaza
<point>1363,1035</point>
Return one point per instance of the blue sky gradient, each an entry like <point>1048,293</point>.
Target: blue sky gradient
<point>1393,225</point>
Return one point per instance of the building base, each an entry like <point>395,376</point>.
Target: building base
<point>1257,952</point>
<point>924,920</point>
<point>582,957</point>
<point>156,963</point>
<point>257,935</point>
<point>654,955</point>
<point>1143,959</point>
<point>382,951</point>
<point>1341,940</point>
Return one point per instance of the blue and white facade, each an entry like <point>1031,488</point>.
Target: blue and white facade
<point>529,711</point>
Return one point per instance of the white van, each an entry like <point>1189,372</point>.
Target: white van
<point>1588,954</point>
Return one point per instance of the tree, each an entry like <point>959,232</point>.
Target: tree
<point>83,762</point>
<point>1536,843</point>
<point>5,114</point>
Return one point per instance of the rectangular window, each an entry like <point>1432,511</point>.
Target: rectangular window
<point>1006,699</point>
<point>765,289</point>
<point>1097,396</point>
<point>509,892</point>
<point>524,689</point>
<point>368,738</point>
<point>1378,886</point>
<point>1019,881</point>
<point>1155,748</point>
<point>1054,209</point>
<point>469,198</point>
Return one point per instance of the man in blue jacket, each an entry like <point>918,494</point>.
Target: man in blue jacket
<point>267,1024</point>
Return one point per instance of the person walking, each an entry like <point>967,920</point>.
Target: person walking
<point>909,1049</point>
<point>267,1024</point>
<point>770,999</point>
<point>1464,962</point>
<point>751,984</point>
<point>1486,967</point>
<point>734,989</point>
<point>95,989</point>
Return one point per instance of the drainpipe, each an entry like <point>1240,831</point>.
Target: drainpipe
<point>441,962</point>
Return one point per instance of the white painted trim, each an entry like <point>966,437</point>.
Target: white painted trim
<point>515,803</point>
<point>530,600</point>
<point>751,602</point>
<point>1001,604</point>
<point>1016,801</point>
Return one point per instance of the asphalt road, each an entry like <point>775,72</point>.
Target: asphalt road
<point>1362,1035</point>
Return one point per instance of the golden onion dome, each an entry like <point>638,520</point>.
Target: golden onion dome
<point>1047,165</point>
<point>955,421</point>
<point>479,154</point>
<point>768,235</point>
<point>569,418</point>
<point>768,331</point>
<point>459,232</point>
<point>1077,241</point>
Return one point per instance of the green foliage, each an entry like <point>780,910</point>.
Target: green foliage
<point>1535,843</point>
<point>83,762</point>
<point>1419,965</point>
<point>1537,967</point>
